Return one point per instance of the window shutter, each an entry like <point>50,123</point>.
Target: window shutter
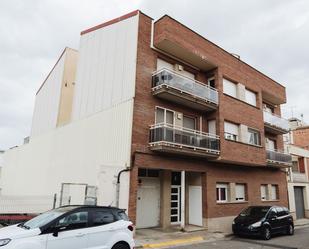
<point>250,97</point>
<point>229,88</point>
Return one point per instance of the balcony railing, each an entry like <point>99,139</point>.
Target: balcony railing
<point>182,138</point>
<point>171,79</point>
<point>276,122</point>
<point>299,177</point>
<point>278,157</point>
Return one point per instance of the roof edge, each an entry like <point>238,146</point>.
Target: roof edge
<point>63,52</point>
<point>220,48</point>
<point>110,22</point>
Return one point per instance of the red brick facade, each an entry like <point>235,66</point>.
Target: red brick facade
<point>238,162</point>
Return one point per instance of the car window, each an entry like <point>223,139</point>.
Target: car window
<point>273,213</point>
<point>122,215</point>
<point>280,211</point>
<point>102,218</point>
<point>74,221</point>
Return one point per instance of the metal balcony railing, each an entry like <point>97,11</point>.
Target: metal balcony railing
<point>183,137</point>
<point>184,84</point>
<point>278,157</point>
<point>276,121</point>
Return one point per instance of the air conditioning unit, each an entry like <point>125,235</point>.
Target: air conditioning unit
<point>178,67</point>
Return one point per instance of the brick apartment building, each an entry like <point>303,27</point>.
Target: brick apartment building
<point>198,129</point>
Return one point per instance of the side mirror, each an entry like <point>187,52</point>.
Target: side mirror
<point>57,230</point>
<point>274,217</point>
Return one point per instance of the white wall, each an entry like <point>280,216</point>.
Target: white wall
<point>47,101</point>
<point>106,68</point>
<point>91,151</point>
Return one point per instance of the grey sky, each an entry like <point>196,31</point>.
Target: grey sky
<point>271,35</point>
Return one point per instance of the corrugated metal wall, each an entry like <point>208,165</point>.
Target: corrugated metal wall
<point>106,68</point>
<point>47,101</point>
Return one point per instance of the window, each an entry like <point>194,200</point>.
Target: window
<point>148,172</point>
<point>231,131</point>
<point>268,108</point>
<point>264,192</point>
<point>74,221</point>
<point>270,144</point>
<point>229,88</point>
<point>301,165</point>
<point>250,97</point>
<point>222,192</point>
<point>102,218</point>
<point>240,192</point>
<point>253,137</point>
<point>164,116</point>
<point>188,122</point>
<point>212,127</point>
<point>211,82</point>
<point>274,192</point>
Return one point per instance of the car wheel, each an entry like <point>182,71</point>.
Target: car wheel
<point>121,246</point>
<point>266,233</point>
<point>290,230</point>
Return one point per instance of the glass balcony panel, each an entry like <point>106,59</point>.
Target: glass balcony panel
<point>183,137</point>
<point>276,121</point>
<point>182,83</point>
<point>280,157</point>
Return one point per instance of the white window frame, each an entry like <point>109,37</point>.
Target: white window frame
<point>231,135</point>
<point>249,97</point>
<point>257,133</point>
<point>274,192</point>
<point>229,88</point>
<point>240,192</point>
<point>264,198</point>
<point>164,109</point>
<point>224,186</point>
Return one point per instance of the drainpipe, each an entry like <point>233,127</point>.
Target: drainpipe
<point>118,184</point>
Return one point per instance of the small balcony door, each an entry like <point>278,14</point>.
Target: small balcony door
<point>270,144</point>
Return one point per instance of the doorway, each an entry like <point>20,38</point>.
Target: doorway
<point>299,202</point>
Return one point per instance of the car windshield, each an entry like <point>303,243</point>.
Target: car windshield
<point>45,218</point>
<point>256,212</point>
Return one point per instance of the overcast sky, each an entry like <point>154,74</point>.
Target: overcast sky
<point>271,35</point>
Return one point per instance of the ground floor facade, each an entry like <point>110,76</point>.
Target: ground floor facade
<point>172,191</point>
<point>299,199</point>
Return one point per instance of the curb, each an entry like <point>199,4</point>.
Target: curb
<point>171,243</point>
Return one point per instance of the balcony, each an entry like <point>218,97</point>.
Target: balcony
<point>275,124</point>
<point>278,158</point>
<point>299,177</point>
<point>178,140</point>
<point>179,89</point>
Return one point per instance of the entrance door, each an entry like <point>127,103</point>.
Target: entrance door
<point>195,206</point>
<point>148,203</point>
<point>299,202</point>
<point>176,198</point>
<point>175,204</point>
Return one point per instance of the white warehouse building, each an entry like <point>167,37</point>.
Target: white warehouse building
<point>81,131</point>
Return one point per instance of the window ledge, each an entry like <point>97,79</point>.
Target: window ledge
<point>254,145</point>
<point>232,202</point>
<point>271,200</point>
<point>256,107</point>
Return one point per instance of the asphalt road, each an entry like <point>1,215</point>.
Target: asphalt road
<point>300,240</point>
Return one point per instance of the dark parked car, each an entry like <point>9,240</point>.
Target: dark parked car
<point>263,221</point>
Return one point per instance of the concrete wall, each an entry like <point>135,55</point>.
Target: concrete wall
<point>91,151</point>
<point>106,67</point>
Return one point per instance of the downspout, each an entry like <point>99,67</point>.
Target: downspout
<point>118,184</point>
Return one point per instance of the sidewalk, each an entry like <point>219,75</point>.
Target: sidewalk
<point>301,223</point>
<point>157,238</point>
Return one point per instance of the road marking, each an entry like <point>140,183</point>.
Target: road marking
<point>173,242</point>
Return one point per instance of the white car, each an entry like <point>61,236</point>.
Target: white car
<point>72,227</point>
